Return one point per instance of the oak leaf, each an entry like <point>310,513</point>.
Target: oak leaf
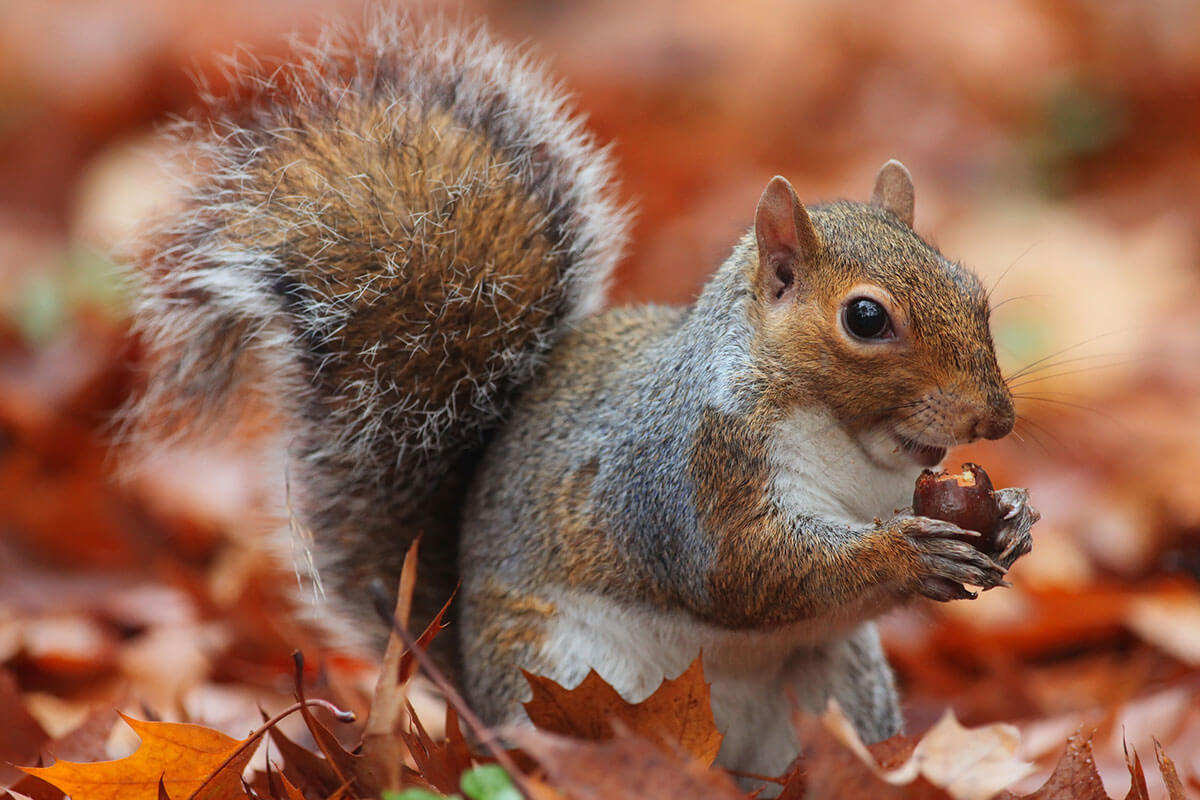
<point>439,764</point>
<point>1170,776</point>
<point>187,760</point>
<point>1138,790</point>
<point>1075,776</point>
<point>678,713</point>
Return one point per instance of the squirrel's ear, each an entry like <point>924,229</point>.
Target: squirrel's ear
<point>786,240</point>
<point>894,191</point>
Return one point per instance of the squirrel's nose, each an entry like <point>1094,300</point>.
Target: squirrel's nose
<point>996,424</point>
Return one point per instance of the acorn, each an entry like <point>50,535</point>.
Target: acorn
<point>965,499</point>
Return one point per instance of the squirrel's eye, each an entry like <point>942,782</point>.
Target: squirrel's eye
<point>867,319</point>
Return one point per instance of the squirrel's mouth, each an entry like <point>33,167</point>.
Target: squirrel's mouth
<point>924,454</point>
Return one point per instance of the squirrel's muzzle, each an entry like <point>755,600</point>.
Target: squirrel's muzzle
<point>996,423</point>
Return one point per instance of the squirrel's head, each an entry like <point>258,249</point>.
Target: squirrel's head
<point>856,312</point>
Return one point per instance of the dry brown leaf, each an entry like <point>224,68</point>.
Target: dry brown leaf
<point>349,769</point>
<point>622,767</point>
<point>1075,776</point>
<point>292,792</point>
<point>1137,783</point>
<point>833,771</point>
<point>21,736</point>
<point>1170,620</point>
<point>679,712</point>
<point>380,744</point>
<point>184,758</point>
<point>1170,776</point>
<point>86,741</point>
<point>303,766</point>
<point>969,763</point>
<point>439,764</point>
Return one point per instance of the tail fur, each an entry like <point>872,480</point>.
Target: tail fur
<point>385,237</point>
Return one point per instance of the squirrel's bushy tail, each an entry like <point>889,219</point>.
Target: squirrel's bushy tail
<point>384,238</point>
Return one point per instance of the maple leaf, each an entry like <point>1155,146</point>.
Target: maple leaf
<point>679,712</point>
<point>187,760</point>
<point>622,766</point>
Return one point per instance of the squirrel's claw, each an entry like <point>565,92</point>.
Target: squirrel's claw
<point>1017,518</point>
<point>944,590</point>
<point>949,557</point>
<point>930,527</point>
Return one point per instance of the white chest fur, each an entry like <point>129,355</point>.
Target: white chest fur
<point>819,470</point>
<point>754,674</point>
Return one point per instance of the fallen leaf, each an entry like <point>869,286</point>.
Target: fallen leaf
<point>969,763</point>
<point>303,766</point>
<point>1137,776</point>
<point>380,744</point>
<point>184,757</point>
<point>349,768</point>
<point>20,736</point>
<point>621,767</point>
<point>440,764</point>
<point>37,789</point>
<point>1169,621</point>
<point>1170,777</point>
<point>679,711</point>
<point>1075,776</point>
<point>837,768</point>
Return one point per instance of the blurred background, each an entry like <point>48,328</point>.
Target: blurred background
<point>1055,147</point>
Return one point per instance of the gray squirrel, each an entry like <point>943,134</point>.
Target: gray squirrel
<point>400,239</point>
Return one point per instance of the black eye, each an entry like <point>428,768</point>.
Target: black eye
<point>866,319</point>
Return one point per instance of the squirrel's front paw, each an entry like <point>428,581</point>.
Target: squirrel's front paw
<point>1016,519</point>
<point>949,560</point>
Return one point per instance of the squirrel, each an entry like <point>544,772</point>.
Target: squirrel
<point>400,238</point>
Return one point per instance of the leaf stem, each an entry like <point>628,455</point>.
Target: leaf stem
<point>252,739</point>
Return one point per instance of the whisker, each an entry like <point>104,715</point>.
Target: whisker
<point>1081,407</point>
<point>874,411</point>
<point>1038,378</point>
<point>1046,358</point>
<point>1032,437</point>
<point>1031,370</point>
<point>1008,269</point>
<point>1042,430</point>
<point>1008,300</point>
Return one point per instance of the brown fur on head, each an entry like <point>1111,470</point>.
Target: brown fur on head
<point>924,381</point>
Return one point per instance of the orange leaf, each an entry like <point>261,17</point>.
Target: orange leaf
<point>679,713</point>
<point>183,757</point>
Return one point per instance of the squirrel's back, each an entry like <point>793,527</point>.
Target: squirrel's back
<point>387,235</point>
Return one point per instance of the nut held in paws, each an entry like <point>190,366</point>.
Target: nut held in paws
<point>964,499</point>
